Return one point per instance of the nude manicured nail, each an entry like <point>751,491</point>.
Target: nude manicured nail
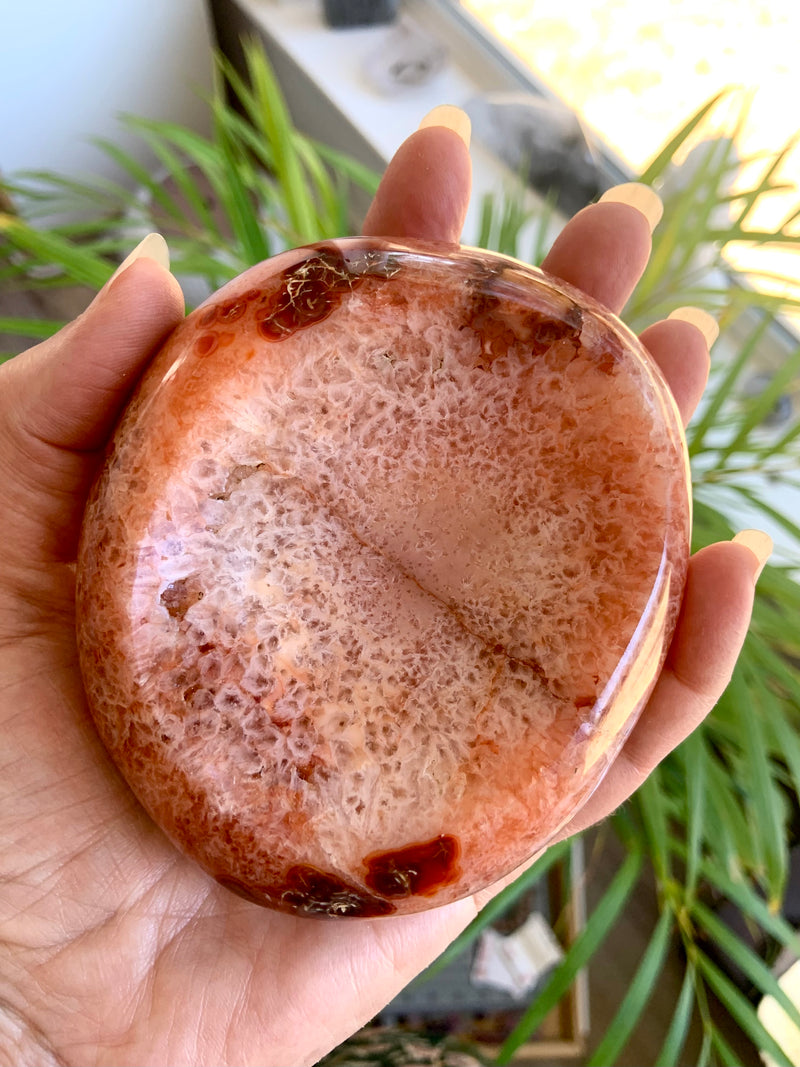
<point>759,543</point>
<point>640,196</point>
<point>705,323</point>
<point>151,247</point>
<point>453,118</point>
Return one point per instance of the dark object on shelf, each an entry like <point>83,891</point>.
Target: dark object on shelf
<point>342,14</point>
<point>543,142</point>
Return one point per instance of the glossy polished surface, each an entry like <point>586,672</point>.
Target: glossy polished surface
<point>379,572</point>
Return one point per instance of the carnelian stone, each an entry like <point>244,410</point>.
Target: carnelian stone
<point>379,572</point>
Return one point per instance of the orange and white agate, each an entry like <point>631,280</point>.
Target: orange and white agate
<point>380,569</point>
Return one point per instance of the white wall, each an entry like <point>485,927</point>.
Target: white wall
<point>69,67</point>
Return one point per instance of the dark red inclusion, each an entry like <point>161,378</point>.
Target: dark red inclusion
<point>310,292</point>
<point>546,331</point>
<point>502,322</point>
<point>232,310</point>
<point>316,892</point>
<point>313,892</point>
<point>418,870</point>
<point>241,890</point>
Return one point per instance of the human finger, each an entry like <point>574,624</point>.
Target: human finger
<point>60,400</point>
<point>425,191</point>
<point>680,346</point>
<point>709,636</point>
<point>603,250</point>
<point>73,385</point>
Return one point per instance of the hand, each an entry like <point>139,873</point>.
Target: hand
<point>113,947</point>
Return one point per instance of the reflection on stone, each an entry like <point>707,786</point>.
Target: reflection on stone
<point>383,563</point>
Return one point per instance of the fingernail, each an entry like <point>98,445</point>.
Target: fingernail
<point>640,196</point>
<point>453,118</point>
<point>759,543</point>
<point>705,323</point>
<point>151,247</point>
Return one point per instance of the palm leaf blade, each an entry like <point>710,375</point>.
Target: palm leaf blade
<point>585,945</point>
<point>637,997</point>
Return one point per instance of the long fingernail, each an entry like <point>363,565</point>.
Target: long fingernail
<point>760,544</point>
<point>453,118</point>
<point>705,323</point>
<point>637,195</point>
<point>151,247</point>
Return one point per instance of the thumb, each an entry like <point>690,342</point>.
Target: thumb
<point>60,400</point>
<point>69,390</point>
<point>425,190</point>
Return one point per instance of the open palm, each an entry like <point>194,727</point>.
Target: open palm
<point>113,947</point>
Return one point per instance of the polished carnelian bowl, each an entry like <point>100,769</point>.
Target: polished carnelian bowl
<point>379,572</point>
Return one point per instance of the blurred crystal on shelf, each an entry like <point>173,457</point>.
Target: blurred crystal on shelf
<point>515,963</point>
<point>406,59</point>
